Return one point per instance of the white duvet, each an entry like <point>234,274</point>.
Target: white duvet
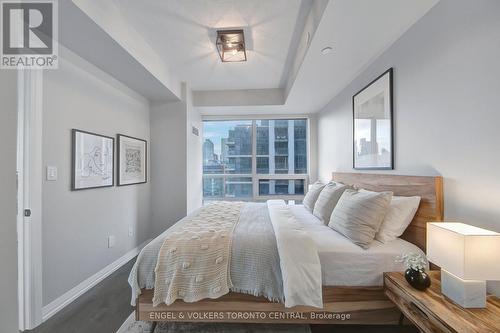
<point>300,265</point>
<point>343,263</point>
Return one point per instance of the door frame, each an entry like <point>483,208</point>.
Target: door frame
<point>29,197</point>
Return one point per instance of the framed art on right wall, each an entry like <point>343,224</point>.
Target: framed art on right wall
<point>373,135</point>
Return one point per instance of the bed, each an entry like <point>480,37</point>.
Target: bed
<point>352,291</point>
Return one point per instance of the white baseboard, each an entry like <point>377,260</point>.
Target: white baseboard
<point>62,301</point>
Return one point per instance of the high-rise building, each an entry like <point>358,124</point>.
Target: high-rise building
<point>281,148</point>
<point>300,146</point>
<point>239,150</point>
<point>368,147</point>
<point>208,151</point>
<point>224,150</point>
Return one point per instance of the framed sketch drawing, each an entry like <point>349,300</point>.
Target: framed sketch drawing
<point>92,160</point>
<point>132,160</point>
<point>373,146</point>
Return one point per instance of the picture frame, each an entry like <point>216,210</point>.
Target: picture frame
<point>92,160</point>
<point>132,160</point>
<point>373,129</point>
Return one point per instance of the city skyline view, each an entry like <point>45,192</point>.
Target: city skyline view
<point>217,130</point>
<point>229,156</point>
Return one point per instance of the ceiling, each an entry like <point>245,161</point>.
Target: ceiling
<point>358,31</point>
<point>286,72</point>
<point>183,33</point>
<point>92,42</point>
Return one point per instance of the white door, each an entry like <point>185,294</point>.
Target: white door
<point>29,171</point>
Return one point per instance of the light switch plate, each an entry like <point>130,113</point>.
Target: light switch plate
<point>51,173</point>
<point>130,231</point>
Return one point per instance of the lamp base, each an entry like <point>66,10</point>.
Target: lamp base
<point>466,293</point>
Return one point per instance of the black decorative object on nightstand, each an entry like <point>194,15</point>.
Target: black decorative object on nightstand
<point>417,279</point>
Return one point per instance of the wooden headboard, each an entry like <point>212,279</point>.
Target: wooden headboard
<point>430,189</point>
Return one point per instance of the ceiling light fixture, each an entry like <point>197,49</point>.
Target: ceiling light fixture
<point>326,50</point>
<point>231,45</point>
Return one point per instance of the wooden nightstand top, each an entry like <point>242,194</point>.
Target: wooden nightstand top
<point>430,311</point>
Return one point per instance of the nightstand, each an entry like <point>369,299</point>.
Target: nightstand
<point>430,311</point>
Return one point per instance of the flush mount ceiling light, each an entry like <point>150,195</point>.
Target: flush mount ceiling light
<point>231,45</point>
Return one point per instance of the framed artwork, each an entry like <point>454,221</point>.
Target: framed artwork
<point>373,146</point>
<point>92,160</point>
<point>132,160</point>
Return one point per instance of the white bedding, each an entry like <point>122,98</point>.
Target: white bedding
<point>325,258</point>
<point>346,264</point>
<point>300,266</point>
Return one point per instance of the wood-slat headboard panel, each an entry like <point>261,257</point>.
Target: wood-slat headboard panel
<point>430,189</point>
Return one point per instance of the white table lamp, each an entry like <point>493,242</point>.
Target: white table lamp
<point>468,256</point>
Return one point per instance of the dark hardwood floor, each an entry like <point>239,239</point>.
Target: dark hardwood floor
<point>106,306</point>
<point>362,329</point>
<point>102,309</point>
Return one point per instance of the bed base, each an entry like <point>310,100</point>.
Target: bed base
<point>342,305</point>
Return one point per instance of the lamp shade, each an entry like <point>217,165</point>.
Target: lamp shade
<point>466,251</point>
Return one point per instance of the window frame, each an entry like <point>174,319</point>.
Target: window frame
<point>258,176</point>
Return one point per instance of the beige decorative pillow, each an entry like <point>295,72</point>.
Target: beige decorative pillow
<point>312,195</point>
<point>327,199</point>
<point>399,216</point>
<point>358,215</point>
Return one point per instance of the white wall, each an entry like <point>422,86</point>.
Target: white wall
<point>76,224</point>
<point>8,234</point>
<point>194,155</point>
<point>109,17</point>
<point>446,90</point>
<point>168,164</point>
<point>313,148</point>
<point>176,162</point>
<point>238,97</point>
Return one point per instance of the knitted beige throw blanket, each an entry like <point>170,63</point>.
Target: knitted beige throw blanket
<point>194,260</point>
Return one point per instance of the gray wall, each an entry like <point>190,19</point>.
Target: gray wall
<point>447,116</point>
<point>194,156</point>
<point>176,162</point>
<point>76,224</point>
<point>8,234</point>
<point>168,164</point>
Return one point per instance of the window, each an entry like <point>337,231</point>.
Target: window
<point>281,187</point>
<point>254,159</point>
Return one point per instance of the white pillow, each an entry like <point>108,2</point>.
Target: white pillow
<point>312,195</point>
<point>327,199</point>
<point>399,216</point>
